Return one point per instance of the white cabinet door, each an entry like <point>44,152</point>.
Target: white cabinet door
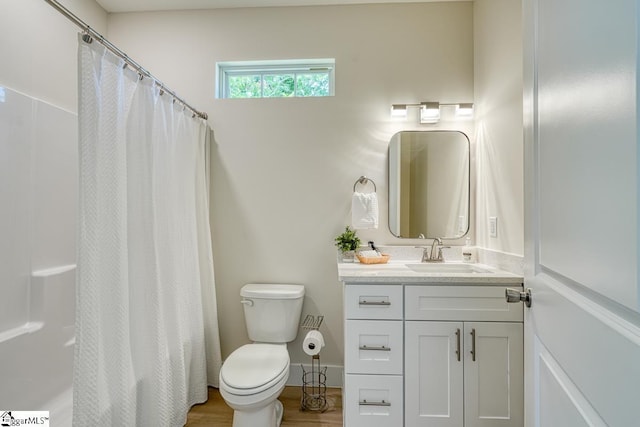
<point>376,302</point>
<point>373,347</point>
<point>373,401</point>
<point>433,374</point>
<point>483,387</point>
<point>493,374</point>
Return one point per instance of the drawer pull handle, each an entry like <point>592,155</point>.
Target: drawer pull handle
<point>374,302</point>
<point>473,345</point>
<point>366,403</point>
<point>382,348</point>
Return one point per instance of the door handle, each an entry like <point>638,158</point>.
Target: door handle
<point>458,343</point>
<point>515,295</point>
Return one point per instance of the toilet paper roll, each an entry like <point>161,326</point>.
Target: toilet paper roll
<point>313,342</point>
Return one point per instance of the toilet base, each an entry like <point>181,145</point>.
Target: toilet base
<point>269,416</point>
<point>279,412</point>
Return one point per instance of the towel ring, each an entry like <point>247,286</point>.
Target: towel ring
<point>363,180</point>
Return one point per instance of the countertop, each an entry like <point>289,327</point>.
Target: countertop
<point>400,272</point>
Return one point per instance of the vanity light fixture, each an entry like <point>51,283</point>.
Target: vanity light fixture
<point>399,111</point>
<point>464,110</point>
<point>429,112</point>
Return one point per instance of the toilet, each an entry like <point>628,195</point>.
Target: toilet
<point>254,375</point>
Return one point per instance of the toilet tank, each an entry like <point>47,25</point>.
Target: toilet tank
<point>272,311</point>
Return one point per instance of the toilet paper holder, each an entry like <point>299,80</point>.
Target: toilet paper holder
<point>314,381</point>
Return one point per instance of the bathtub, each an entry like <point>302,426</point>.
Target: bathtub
<point>36,358</point>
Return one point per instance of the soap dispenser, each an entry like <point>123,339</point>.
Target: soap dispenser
<point>468,252</point>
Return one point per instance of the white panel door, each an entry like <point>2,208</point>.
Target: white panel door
<point>433,374</point>
<point>493,374</point>
<point>582,332</point>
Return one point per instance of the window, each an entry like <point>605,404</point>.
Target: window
<point>275,79</point>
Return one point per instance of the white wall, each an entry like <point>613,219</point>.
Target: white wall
<point>38,48</point>
<point>283,169</point>
<point>498,114</point>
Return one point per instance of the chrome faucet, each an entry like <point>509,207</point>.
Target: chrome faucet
<point>433,253</point>
<point>436,253</point>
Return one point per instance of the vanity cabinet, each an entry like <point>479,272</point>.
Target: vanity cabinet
<point>433,355</point>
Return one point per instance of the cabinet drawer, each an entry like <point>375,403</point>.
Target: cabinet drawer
<point>373,347</point>
<point>475,303</point>
<point>373,302</point>
<point>373,401</point>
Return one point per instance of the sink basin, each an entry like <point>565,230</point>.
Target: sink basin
<point>446,268</point>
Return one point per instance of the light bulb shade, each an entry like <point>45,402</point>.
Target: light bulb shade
<point>429,112</point>
<point>399,111</point>
<point>464,110</point>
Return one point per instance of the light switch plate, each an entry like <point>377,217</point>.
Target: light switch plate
<point>493,226</point>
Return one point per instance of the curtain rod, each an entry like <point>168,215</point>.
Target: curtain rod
<point>90,34</point>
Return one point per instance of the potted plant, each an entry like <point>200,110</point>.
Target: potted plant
<point>347,243</point>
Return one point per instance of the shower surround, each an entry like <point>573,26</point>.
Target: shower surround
<point>38,189</point>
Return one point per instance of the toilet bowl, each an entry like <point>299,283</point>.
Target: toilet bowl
<point>251,380</point>
<point>254,375</point>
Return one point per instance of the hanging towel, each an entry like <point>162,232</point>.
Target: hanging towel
<point>364,210</point>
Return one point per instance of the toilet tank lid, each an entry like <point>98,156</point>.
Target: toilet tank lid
<point>272,291</point>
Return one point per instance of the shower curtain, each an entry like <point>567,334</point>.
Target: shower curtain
<point>147,339</point>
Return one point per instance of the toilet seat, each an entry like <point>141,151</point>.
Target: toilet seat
<point>254,368</point>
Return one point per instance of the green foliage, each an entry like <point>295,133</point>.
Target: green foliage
<point>347,241</point>
<point>278,85</point>
<point>245,86</point>
<point>313,85</point>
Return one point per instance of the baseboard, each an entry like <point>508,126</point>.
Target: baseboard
<point>334,375</point>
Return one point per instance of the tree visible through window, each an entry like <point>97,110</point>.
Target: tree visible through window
<point>275,79</point>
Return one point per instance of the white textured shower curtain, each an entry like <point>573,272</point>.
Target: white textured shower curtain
<point>147,339</point>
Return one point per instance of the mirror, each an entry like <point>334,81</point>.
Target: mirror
<point>429,184</point>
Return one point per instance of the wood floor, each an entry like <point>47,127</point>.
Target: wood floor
<point>216,413</point>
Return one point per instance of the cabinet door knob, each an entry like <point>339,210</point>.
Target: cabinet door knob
<point>515,295</point>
